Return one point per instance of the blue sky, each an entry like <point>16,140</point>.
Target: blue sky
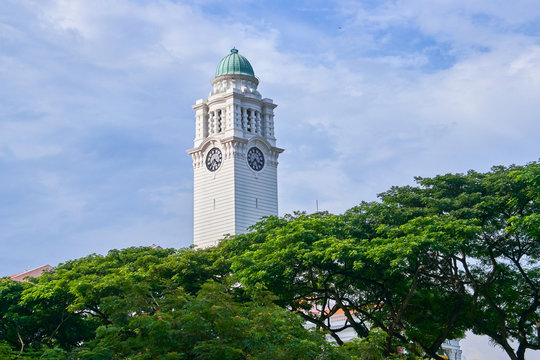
<point>95,109</point>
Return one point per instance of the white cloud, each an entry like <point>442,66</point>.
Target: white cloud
<point>380,117</point>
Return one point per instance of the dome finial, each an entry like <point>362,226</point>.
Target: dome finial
<point>234,50</point>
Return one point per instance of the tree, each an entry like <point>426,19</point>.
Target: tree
<point>321,264</point>
<point>424,264</point>
<point>143,303</point>
<point>212,325</point>
<point>500,263</point>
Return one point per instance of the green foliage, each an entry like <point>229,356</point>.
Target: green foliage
<point>456,252</point>
<point>372,347</point>
<point>426,263</point>
<point>142,303</point>
<point>211,325</point>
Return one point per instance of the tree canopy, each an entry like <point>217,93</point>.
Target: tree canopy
<point>144,303</point>
<point>422,265</point>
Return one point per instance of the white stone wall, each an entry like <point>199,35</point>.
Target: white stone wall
<point>213,205</point>
<point>255,191</point>
<point>452,349</point>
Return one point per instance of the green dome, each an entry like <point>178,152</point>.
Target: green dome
<point>234,64</point>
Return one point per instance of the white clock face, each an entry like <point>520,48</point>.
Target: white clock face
<point>213,159</point>
<point>255,159</point>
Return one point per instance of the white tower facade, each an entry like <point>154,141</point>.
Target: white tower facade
<point>235,157</point>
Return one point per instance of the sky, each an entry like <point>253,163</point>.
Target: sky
<point>96,117</point>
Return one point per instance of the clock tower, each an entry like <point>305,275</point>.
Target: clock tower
<point>235,157</point>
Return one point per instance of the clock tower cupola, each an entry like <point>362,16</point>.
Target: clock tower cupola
<point>235,157</point>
